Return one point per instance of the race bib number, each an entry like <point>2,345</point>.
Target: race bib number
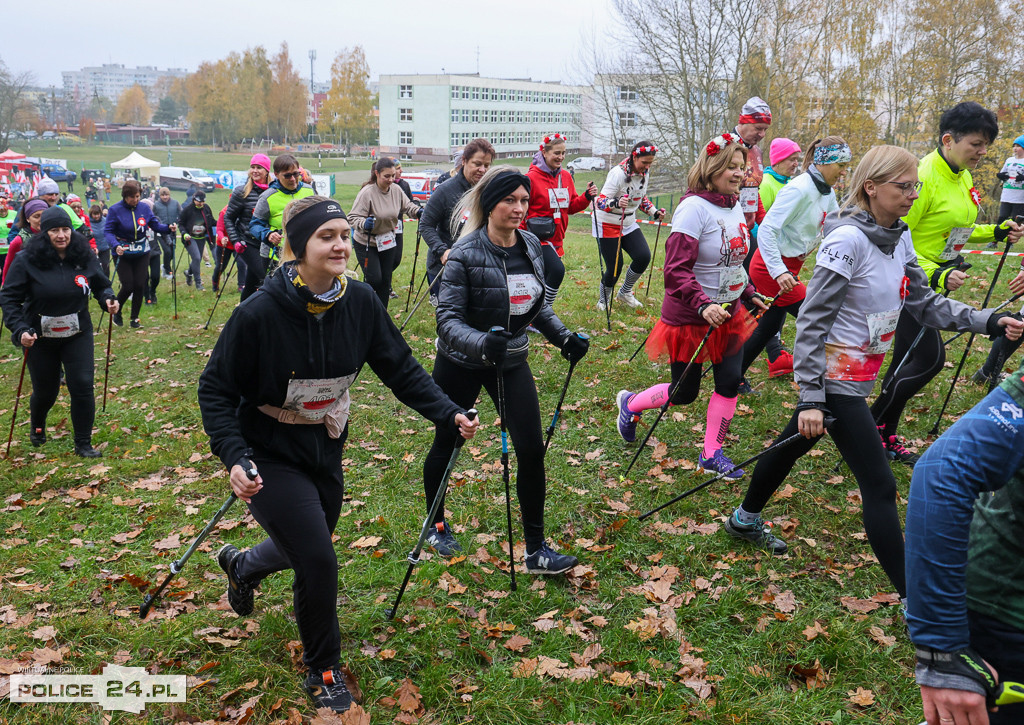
<point>956,240</point>
<point>748,199</point>
<point>60,325</point>
<point>523,292</point>
<point>385,241</point>
<point>399,227</point>
<point>313,399</point>
<point>558,199</point>
<point>731,281</point>
<point>881,329</point>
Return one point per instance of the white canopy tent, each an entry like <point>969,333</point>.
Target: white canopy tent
<point>147,167</point>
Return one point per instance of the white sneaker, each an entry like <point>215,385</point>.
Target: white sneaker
<point>628,298</point>
<point>601,305</point>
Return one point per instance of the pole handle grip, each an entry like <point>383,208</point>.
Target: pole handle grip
<point>829,421</point>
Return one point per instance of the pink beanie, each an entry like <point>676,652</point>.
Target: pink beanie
<point>264,160</point>
<point>782,148</point>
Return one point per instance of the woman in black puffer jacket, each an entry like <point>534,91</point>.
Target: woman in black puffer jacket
<point>494,277</point>
<point>236,221</point>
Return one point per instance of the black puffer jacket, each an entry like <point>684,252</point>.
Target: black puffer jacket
<point>239,214</point>
<point>435,222</point>
<point>473,298</point>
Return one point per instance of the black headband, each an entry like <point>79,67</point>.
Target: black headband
<point>501,186</point>
<point>300,226</point>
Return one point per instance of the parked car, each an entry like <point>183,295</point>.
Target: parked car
<point>422,184</point>
<point>181,178</point>
<point>59,173</point>
<point>586,163</point>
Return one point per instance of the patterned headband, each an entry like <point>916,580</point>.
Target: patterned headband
<point>837,153</point>
<point>645,150</point>
<point>720,142</point>
<point>552,139</point>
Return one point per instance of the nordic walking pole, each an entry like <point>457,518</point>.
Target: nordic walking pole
<point>561,398</point>
<point>600,260</point>
<point>223,284</point>
<point>615,269</point>
<point>654,256</point>
<point>640,346</point>
<point>174,273</point>
<point>1005,303</point>
<point>177,566</point>
<point>668,401</point>
<point>970,340</point>
<point>420,299</point>
<point>17,399</point>
<point>500,377</point>
<point>412,280</point>
<point>414,555</point>
<point>106,367</point>
<point>829,420</point>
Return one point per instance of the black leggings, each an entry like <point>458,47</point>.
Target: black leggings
<point>1001,351</point>
<point>554,269</point>
<point>399,239</point>
<point>221,263</point>
<point>768,327</point>
<point>133,271</point>
<point>377,269</point>
<point>104,257</point>
<point>923,364</point>
<point>299,510</point>
<point>634,244</point>
<point>1009,211</point>
<point>1002,646</point>
<point>167,246</point>
<point>463,386</point>
<point>255,271</point>
<point>45,359</point>
<point>154,274</point>
<point>857,439</point>
<point>727,379</point>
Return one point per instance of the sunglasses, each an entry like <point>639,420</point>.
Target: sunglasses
<point>292,175</point>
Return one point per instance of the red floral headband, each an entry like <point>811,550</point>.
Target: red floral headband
<point>551,139</point>
<point>645,150</point>
<point>720,142</point>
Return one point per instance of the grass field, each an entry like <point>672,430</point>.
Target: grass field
<point>664,622</point>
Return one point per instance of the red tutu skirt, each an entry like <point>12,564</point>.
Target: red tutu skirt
<point>766,285</point>
<point>677,343</point>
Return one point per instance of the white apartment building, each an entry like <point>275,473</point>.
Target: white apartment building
<point>430,116</point>
<point>110,80</point>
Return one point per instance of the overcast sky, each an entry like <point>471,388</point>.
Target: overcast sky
<point>526,38</point>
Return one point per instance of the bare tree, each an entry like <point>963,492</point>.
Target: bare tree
<point>14,103</point>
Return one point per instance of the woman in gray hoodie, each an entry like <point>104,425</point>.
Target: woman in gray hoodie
<point>865,274</point>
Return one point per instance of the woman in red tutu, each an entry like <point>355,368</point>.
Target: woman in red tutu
<point>705,284</point>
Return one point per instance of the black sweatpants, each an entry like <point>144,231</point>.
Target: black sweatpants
<point>133,273</point>
<point>45,360</point>
<point>635,245</point>
<point>768,327</point>
<point>299,510</point>
<point>1001,351</point>
<point>104,257</point>
<point>522,419</point>
<point>377,269</point>
<point>727,379</point>
<point>923,364</point>
<point>255,269</point>
<point>856,437</point>
<point>399,242</point>
<point>1009,211</point>
<point>154,273</point>
<point>167,247</point>
<point>554,269</point>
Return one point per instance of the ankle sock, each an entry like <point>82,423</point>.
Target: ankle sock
<point>654,397</point>
<point>720,412</point>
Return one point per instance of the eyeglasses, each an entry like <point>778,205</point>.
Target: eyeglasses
<point>291,175</point>
<point>909,188</point>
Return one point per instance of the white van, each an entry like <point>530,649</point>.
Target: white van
<point>182,178</point>
<point>586,163</point>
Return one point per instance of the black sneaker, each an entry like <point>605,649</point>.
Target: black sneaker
<point>118,320</point>
<point>546,560</point>
<point>188,280</point>
<point>85,450</point>
<point>443,541</point>
<point>37,436</point>
<point>150,300</point>
<point>899,452</point>
<point>745,389</point>
<point>239,592</point>
<point>199,287</point>
<point>979,377</point>
<point>135,324</point>
<point>757,532</point>
<point>328,690</point>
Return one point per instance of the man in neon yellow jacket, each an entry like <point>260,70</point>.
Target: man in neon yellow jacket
<point>941,221</point>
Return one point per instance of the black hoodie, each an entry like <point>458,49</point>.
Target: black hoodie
<point>272,339</point>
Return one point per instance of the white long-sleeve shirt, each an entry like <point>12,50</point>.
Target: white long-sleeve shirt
<point>792,226</point>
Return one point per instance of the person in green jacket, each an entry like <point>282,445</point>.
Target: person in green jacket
<point>7,217</point>
<point>784,160</point>
<point>942,219</point>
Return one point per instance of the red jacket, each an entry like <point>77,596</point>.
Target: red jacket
<point>543,186</point>
<point>222,232</point>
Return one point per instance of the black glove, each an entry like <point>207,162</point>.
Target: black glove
<point>591,193</point>
<point>575,346</point>
<point>1019,177</point>
<point>1003,176</point>
<point>962,663</point>
<point>496,346</point>
<point>1001,233</point>
<point>993,329</point>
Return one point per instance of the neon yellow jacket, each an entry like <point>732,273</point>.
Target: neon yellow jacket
<point>771,185</point>
<point>947,201</point>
